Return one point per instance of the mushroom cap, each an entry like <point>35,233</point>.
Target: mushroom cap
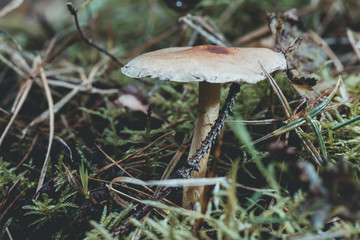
<point>214,64</point>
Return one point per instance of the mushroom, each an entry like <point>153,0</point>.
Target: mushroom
<point>210,66</point>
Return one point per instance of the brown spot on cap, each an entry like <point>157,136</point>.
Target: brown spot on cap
<point>213,49</point>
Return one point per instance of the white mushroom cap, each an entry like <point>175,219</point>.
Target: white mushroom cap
<point>208,63</point>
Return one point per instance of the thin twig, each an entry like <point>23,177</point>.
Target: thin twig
<point>12,66</point>
<point>73,12</point>
<point>6,197</point>
<point>12,204</point>
<point>213,39</point>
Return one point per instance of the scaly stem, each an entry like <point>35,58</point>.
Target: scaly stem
<point>208,110</point>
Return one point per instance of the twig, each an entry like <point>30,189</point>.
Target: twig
<point>12,66</point>
<point>73,12</point>
<point>11,204</point>
<point>6,197</point>
<point>213,39</point>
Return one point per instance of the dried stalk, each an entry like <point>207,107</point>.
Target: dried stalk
<point>51,124</point>
<point>73,12</point>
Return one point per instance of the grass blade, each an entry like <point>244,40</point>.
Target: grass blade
<point>51,124</point>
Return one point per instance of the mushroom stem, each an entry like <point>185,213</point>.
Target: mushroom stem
<point>208,111</point>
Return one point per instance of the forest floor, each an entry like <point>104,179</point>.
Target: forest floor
<point>83,147</point>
